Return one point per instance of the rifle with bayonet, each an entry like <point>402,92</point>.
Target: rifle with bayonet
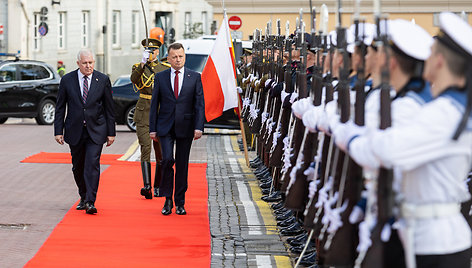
<point>318,84</point>
<point>284,120</point>
<point>298,129</point>
<point>375,255</point>
<point>298,187</point>
<point>342,249</point>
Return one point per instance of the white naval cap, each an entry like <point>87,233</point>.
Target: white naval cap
<point>455,33</point>
<point>410,39</point>
<point>366,32</point>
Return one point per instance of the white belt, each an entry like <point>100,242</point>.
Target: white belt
<point>411,213</point>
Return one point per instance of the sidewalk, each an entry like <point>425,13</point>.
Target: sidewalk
<point>242,226</point>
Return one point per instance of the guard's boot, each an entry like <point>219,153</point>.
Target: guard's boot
<point>146,191</point>
<point>157,179</point>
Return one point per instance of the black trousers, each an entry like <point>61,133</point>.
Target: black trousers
<point>86,166</point>
<point>182,154</point>
<point>457,260</point>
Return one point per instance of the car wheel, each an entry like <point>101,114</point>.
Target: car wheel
<point>129,117</point>
<point>46,111</point>
<point>3,120</point>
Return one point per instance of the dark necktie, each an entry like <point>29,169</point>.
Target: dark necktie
<point>176,84</point>
<point>86,89</point>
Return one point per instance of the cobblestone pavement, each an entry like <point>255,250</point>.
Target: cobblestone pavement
<point>242,227</point>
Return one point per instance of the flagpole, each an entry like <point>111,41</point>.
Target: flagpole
<point>241,125</point>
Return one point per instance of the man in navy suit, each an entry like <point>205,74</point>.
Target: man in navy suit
<point>176,117</point>
<point>89,123</point>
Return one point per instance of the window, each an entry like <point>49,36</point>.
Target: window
<point>115,33</point>
<point>61,31</point>
<point>135,29</point>
<point>85,29</point>
<point>188,22</point>
<point>32,72</point>
<point>204,22</point>
<point>8,73</point>
<point>36,36</point>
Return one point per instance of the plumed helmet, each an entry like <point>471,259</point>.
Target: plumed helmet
<point>157,33</point>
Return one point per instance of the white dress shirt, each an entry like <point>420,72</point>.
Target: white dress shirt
<point>181,78</point>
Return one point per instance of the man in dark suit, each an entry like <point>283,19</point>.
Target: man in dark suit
<point>176,117</point>
<point>89,123</point>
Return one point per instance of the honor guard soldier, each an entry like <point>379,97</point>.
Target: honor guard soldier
<point>433,152</point>
<point>142,77</point>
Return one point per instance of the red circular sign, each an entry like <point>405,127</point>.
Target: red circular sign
<point>234,22</point>
<point>1,29</point>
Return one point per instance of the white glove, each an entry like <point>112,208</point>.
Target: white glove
<point>240,90</point>
<point>344,133</point>
<point>301,106</point>
<point>328,115</point>
<point>267,82</point>
<point>310,118</point>
<point>145,56</point>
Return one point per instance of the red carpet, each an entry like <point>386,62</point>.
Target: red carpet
<point>129,231</point>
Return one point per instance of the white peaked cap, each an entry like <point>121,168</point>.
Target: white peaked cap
<point>369,30</point>
<point>455,33</point>
<point>410,38</point>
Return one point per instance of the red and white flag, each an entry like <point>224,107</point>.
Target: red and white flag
<point>219,76</point>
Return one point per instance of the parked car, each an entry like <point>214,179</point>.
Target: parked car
<point>28,89</point>
<point>125,98</point>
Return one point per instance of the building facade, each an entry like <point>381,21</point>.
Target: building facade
<point>55,30</point>
<point>255,14</point>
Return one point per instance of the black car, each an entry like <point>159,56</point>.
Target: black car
<point>125,98</point>
<point>28,89</point>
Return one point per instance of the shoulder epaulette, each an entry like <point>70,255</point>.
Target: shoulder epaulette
<point>165,64</point>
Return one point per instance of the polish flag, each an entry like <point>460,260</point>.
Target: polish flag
<point>219,75</point>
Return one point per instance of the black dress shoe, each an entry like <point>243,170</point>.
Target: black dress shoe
<point>297,242</point>
<point>308,260</point>
<point>284,216</point>
<point>299,237</point>
<point>81,205</point>
<point>293,229</point>
<point>265,191</point>
<point>274,197</point>
<point>298,249</point>
<point>277,205</point>
<point>287,222</point>
<point>90,208</point>
<point>168,205</point>
<point>281,211</point>
<point>180,210</point>
<point>265,185</point>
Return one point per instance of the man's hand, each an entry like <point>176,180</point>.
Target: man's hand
<point>59,139</point>
<point>110,140</point>
<point>153,136</point>
<point>197,134</point>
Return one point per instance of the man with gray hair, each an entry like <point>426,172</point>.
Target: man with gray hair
<point>89,123</point>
